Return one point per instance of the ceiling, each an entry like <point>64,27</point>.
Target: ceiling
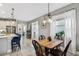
<point>28,11</point>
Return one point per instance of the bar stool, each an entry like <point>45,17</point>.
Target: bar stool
<point>15,47</point>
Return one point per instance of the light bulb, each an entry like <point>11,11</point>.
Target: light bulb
<point>1,4</point>
<point>49,20</point>
<point>44,22</point>
<point>4,16</point>
<point>3,12</point>
<point>13,22</point>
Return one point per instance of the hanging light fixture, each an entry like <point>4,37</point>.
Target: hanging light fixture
<point>49,14</point>
<point>12,14</point>
<point>44,21</point>
<point>49,20</point>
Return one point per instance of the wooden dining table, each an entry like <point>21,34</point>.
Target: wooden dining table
<point>50,44</point>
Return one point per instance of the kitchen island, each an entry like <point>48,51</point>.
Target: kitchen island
<point>5,43</point>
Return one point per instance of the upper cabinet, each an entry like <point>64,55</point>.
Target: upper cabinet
<point>7,25</point>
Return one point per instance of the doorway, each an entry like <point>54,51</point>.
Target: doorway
<point>34,31</point>
<point>22,28</point>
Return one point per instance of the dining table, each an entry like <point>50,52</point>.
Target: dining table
<point>50,44</point>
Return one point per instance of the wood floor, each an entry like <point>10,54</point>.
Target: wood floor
<point>28,50</point>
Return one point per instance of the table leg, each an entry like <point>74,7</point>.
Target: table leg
<point>47,51</point>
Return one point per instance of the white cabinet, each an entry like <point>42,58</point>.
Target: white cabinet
<point>5,43</point>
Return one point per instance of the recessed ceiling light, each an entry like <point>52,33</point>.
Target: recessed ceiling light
<point>4,16</point>
<point>1,4</point>
<point>3,12</point>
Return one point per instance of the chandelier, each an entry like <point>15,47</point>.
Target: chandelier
<point>49,20</point>
<point>49,14</point>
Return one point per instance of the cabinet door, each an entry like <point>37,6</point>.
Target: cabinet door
<point>8,29</point>
<point>11,29</point>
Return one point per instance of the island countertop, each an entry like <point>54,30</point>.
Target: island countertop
<point>5,43</point>
<point>7,35</point>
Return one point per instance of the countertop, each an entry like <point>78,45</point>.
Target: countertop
<point>7,35</point>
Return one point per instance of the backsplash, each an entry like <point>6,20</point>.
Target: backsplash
<point>4,24</point>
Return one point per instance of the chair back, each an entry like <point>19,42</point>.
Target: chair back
<point>41,37</point>
<point>49,38</point>
<point>16,40</point>
<point>38,48</point>
<point>66,49</point>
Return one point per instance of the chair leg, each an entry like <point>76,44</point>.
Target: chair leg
<point>46,51</point>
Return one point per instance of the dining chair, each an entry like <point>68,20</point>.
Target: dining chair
<point>49,38</point>
<point>58,52</point>
<point>47,51</point>
<point>38,48</point>
<point>41,37</point>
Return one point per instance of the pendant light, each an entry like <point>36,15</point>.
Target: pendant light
<point>12,14</point>
<point>44,21</point>
<point>49,20</point>
<point>1,4</point>
<point>49,14</point>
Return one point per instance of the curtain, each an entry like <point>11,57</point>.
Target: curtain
<point>70,29</point>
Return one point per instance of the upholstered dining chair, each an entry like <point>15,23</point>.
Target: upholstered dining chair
<point>38,48</point>
<point>58,52</point>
